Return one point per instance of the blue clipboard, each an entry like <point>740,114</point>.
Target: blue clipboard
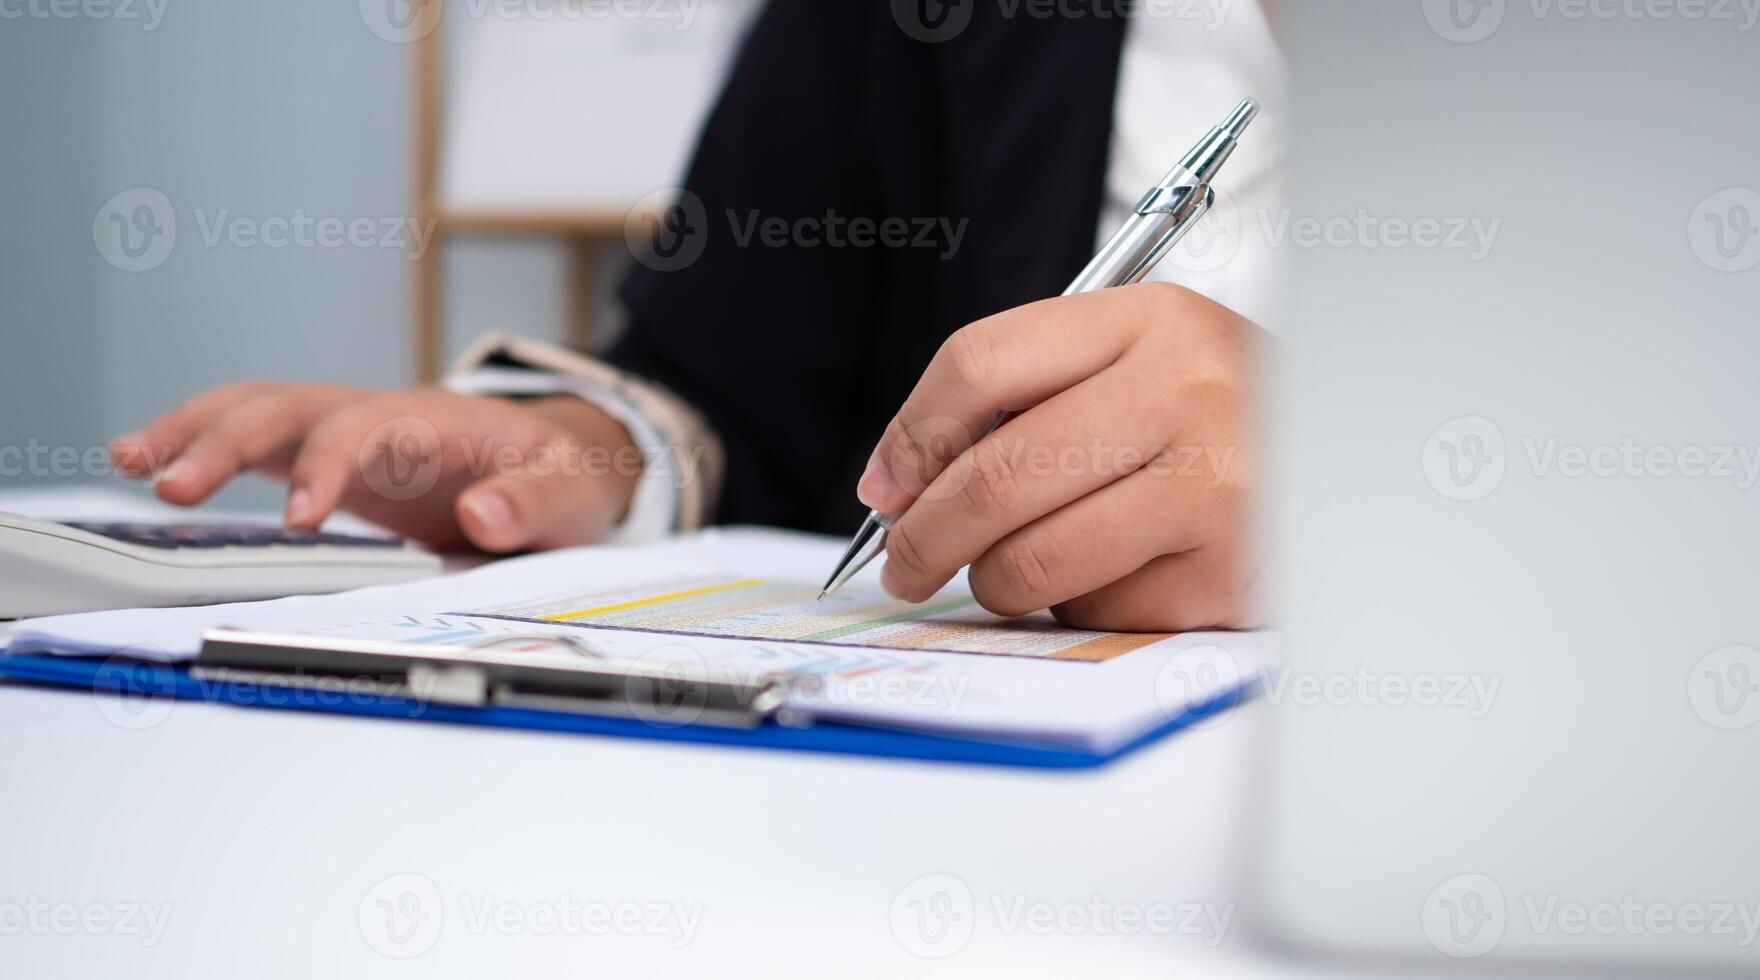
<point>153,680</point>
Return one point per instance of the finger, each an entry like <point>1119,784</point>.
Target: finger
<point>153,447</point>
<point>544,503</point>
<point>1105,536</point>
<point>1007,362</point>
<point>247,435</point>
<point>1045,458</point>
<point>1201,589</point>
<point>397,456</point>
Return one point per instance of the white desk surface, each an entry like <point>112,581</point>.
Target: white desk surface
<point>273,837</point>
<point>266,833</point>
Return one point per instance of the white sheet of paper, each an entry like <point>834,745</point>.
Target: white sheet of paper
<point>1090,705</point>
<point>586,112</point>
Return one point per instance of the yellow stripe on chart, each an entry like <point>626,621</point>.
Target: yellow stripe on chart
<point>653,600</point>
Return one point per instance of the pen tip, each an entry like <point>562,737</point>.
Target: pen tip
<point>1236,123</point>
<point>821,596</point>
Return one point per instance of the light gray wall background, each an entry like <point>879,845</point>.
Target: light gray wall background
<point>1426,526</point>
<point>49,303</point>
<point>256,110</point>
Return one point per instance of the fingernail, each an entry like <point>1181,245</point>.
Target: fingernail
<point>299,507</point>
<point>491,510</point>
<point>179,470</point>
<point>889,581</point>
<point>877,488</point>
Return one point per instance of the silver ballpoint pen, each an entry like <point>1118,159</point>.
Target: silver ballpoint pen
<point>1167,211</point>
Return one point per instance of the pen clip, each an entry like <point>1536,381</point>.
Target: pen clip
<point>1171,195</point>
<point>1205,202</point>
<point>1172,236</point>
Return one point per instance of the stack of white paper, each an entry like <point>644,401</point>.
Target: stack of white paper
<point>738,603</point>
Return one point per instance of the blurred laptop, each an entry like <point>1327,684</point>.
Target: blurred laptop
<point>1518,430</point>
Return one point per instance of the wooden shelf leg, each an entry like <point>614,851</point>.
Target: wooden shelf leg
<point>585,258</point>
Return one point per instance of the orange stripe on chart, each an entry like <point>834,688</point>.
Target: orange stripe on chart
<point>1108,646</point>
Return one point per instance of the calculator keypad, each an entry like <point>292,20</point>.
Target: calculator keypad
<point>176,536</point>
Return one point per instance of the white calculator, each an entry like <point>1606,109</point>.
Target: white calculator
<point>48,568</point>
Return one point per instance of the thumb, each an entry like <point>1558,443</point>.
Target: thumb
<point>538,507</point>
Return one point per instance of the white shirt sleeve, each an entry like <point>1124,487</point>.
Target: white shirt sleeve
<point>1234,255</point>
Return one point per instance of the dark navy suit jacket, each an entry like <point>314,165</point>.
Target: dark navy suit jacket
<point>798,353</point>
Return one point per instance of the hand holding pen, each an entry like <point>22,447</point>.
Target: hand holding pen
<point>1116,491</point>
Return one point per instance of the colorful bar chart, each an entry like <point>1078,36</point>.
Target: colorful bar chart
<point>760,609</point>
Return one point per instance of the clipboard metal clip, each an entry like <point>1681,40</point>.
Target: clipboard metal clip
<point>490,675</point>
